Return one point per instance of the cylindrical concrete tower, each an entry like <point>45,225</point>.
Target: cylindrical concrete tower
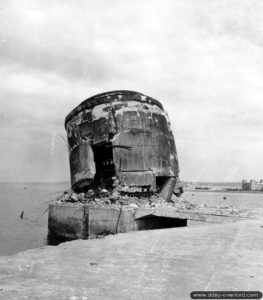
<point>123,137</point>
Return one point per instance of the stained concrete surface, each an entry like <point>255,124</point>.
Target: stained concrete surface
<point>157,264</point>
<point>121,136</point>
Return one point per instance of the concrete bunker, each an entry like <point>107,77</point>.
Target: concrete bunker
<point>123,167</point>
<point>122,138</point>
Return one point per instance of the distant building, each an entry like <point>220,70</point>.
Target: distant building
<point>252,185</point>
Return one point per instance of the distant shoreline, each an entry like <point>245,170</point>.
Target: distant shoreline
<point>224,190</point>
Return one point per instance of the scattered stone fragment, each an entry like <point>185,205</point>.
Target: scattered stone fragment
<point>115,182</point>
<point>74,197</point>
<point>125,188</point>
<point>90,193</point>
<point>114,196</point>
<point>104,192</point>
<point>133,205</point>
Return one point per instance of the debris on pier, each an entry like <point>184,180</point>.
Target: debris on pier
<point>116,200</point>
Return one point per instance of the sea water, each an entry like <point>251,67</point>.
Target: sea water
<point>19,234</point>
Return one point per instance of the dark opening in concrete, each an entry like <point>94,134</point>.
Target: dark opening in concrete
<point>105,169</point>
<point>161,181</point>
<point>154,222</point>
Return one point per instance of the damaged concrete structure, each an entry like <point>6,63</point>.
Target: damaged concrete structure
<point>124,138</point>
<point>123,165</point>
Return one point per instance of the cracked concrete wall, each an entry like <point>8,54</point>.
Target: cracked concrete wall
<point>136,127</point>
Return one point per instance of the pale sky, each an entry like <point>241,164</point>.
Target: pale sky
<point>203,59</point>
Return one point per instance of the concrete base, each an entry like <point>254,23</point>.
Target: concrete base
<point>67,221</point>
<point>79,221</point>
<point>70,221</point>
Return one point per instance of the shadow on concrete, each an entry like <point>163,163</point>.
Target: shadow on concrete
<point>154,222</point>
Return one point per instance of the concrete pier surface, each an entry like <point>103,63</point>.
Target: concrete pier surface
<point>157,264</point>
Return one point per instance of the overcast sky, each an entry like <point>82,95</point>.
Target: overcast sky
<point>203,59</point>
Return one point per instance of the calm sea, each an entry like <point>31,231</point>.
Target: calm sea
<point>18,234</point>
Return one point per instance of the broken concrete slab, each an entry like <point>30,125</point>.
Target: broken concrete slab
<point>168,188</point>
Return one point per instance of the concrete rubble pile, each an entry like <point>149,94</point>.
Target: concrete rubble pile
<point>121,197</point>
